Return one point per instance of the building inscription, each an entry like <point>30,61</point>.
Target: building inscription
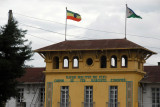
<point>88,79</point>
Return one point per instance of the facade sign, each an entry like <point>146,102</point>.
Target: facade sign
<point>100,78</point>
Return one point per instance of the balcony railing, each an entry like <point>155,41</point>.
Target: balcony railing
<point>88,104</point>
<point>108,104</point>
<point>62,104</point>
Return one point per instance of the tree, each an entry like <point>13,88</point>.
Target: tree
<point>14,51</point>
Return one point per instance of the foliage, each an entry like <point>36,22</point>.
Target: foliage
<point>14,51</point>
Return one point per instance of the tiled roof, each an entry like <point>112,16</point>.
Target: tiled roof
<point>33,75</point>
<point>92,45</point>
<point>152,74</point>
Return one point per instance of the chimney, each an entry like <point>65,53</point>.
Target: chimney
<point>10,16</point>
<point>158,63</point>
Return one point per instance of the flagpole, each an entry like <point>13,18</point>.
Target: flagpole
<point>66,25</point>
<point>126,21</point>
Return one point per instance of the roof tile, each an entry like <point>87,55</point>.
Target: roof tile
<point>152,74</point>
<point>33,75</point>
<point>91,44</point>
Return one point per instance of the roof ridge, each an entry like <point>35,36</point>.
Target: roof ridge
<point>94,39</point>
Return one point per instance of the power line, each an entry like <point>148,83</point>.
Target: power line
<point>74,35</point>
<point>71,35</point>
<point>61,34</point>
<point>41,29</point>
<point>143,36</point>
<point>39,18</point>
<point>53,41</point>
<point>87,28</point>
<point>40,38</point>
<point>50,31</point>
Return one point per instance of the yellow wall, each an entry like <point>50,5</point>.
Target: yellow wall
<point>100,89</point>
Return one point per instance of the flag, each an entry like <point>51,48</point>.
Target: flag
<point>130,14</point>
<point>73,16</point>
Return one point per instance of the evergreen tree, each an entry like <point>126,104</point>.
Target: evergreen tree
<point>14,51</point>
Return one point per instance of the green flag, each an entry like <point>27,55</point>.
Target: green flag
<point>130,14</point>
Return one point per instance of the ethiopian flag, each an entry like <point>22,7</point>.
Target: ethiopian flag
<point>130,14</point>
<point>73,16</point>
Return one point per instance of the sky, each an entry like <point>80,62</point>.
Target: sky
<point>45,21</point>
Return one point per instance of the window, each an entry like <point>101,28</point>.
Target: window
<point>89,61</point>
<point>124,61</point>
<point>66,62</point>
<point>88,96</point>
<point>75,62</point>
<point>20,98</point>
<point>55,63</point>
<point>113,61</point>
<point>64,96</point>
<point>42,96</point>
<point>20,95</point>
<point>113,96</point>
<point>155,97</point>
<point>103,62</point>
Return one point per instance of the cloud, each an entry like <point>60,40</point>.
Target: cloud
<point>103,15</point>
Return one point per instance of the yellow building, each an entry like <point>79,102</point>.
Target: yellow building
<point>93,73</point>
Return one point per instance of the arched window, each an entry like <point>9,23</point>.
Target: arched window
<point>56,63</point>
<point>113,61</point>
<point>124,61</point>
<point>103,61</point>
<point>65,62</point>
<point>75,62</point>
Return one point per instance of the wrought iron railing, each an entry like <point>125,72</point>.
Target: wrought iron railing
<point>62,104</point>
<point>88,104</point>
<point>115,104</point>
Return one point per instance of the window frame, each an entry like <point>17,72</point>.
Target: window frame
<point>125,60</point>
<point>115,59</point>
<point>114,96</point>
<point>88,102</point>
<point>20,97</point>
<point>66,57</point>
<point>73,62</point>
<point>156,102</point>
<point>65,94</point>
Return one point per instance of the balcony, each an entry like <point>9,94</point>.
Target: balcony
<point>108,104</point>
<point>88,104</point>
<point>62,104</point>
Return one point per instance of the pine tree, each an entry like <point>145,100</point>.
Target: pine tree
<point>14,51</point>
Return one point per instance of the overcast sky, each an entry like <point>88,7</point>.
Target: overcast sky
<point>101,19</point>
